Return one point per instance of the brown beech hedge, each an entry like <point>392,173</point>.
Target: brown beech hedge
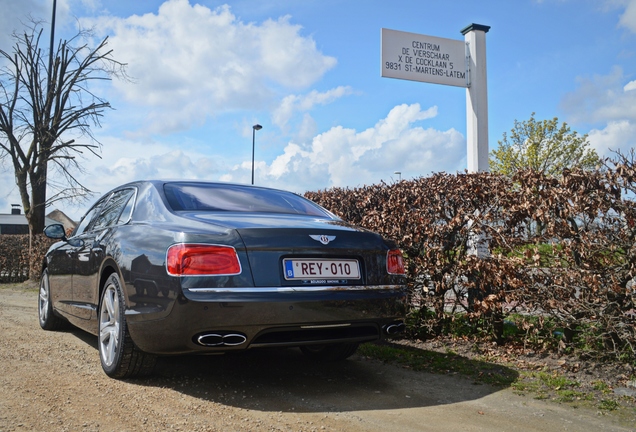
<point>547,260</point>
<point>15,263</point>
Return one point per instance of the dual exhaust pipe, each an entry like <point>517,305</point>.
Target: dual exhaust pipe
<point>221,339</point>
<point>236,339</point>
<point>394,328</point>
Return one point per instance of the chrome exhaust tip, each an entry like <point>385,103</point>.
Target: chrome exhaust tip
<point>394,328</point>
<point>221,339</point>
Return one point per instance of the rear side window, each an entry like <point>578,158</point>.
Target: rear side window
<point>237,198</point>
<point>113,208</point>
<point>126,214</point>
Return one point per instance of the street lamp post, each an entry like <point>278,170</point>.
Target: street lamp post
<point>254,129</point>
<point>50,76</point>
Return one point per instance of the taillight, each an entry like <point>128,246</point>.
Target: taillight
<point>202,260</point>
<point>395,262</point>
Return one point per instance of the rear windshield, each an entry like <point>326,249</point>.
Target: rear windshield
<point>237,198</point>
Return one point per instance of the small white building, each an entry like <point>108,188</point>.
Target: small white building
<point>16,222</point>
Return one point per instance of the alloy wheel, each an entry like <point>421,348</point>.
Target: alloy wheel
<point>43,304</point>
<point>109,325</point>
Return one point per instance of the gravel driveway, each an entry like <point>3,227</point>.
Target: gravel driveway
<point>53,381</point>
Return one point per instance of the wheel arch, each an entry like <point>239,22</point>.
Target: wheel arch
<point>109,267</point>
<point>43,265</point>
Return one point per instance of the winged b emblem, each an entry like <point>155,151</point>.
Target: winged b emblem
<point>324,239</point>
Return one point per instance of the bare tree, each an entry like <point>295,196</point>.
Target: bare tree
<point>46,115</point>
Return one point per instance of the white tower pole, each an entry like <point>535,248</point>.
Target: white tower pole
<point>476,98</point>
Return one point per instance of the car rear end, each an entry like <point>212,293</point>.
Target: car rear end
<point>284,280</point>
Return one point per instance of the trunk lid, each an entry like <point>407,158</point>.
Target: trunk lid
<point>274,242</point>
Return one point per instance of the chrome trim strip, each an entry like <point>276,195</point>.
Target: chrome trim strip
<point>314,342</point>
<point>325,326</point>
<point>261,290</point>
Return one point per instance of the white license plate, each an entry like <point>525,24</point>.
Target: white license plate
<point>307,268</point>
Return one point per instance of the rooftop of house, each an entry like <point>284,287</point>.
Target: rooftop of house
<point>16,217</point>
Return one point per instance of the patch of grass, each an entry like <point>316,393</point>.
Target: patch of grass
<point>556,381</point>
<point>524,385</point>
<point>449,362</point>
<point>570,395</point>
<point>601,386</point>
<point>542,383</point>
<point>539,384</point>
<point>608,405</point>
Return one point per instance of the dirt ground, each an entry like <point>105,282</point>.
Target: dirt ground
<point>53,381</point>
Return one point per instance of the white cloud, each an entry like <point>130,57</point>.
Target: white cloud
<point>292,104</point>
<point>602,98</point>
<point>345,157</point>
<point>126,161</point>
<point>162,165</point>
<point>605,99</point>
<point>628,18</point>
<point>190,62</point>
<point>616,136</point>
<point>16,13</point>
<point>9,191</point>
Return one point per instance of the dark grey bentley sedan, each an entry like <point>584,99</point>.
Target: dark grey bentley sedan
<point>160,268</point>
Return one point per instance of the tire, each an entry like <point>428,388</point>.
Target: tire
<point>119,356</point>
<point>331,352</point>
<point>46,316</point>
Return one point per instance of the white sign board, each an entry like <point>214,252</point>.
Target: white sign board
<point>416,57</point>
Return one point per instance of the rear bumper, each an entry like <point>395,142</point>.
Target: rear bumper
<point>289,316</point>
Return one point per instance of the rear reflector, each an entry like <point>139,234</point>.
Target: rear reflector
<point>395,262</point>
<point>202,260</point>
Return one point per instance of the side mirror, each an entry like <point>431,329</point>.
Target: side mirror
<point>55,231</point>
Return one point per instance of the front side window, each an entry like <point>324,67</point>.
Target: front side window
<point>88,218</point>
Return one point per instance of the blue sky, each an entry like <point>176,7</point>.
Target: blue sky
<point>309,72</point>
